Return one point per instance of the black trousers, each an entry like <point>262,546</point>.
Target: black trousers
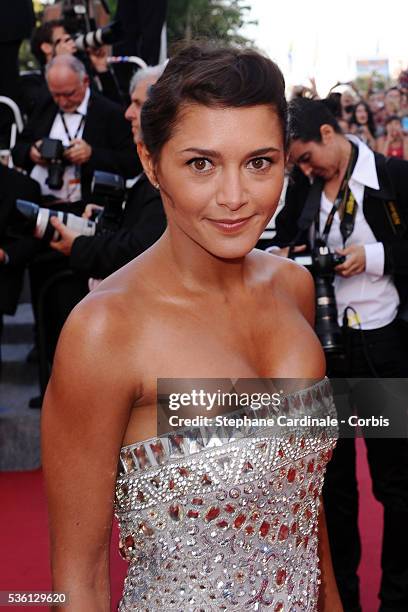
<point>142,23</point>
<point>388,462</point>
<point>55,291</point>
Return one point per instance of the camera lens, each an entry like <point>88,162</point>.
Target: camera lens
<point>327,327</point>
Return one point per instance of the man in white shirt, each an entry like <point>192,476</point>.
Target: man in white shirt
<point>358,208</point>
<point>68,84</point>
<point>93,128</point>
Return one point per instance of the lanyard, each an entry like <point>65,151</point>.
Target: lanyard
<point>345,203</point>
<point>66,127</point>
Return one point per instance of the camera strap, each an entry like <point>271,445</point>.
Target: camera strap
<point>310,209</point>
<point>66,127</point>
<point>345,203</point>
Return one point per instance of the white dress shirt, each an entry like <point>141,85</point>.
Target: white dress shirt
<point>71,188</point>
<point>372,294</point>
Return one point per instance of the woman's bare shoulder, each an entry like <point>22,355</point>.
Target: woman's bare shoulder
<point>291,288</point>
<point>108,323</point>
<point>287,274</point>
<point>96,332</point>
<point>124,293</point>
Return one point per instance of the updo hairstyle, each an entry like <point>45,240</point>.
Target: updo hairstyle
<point>216,78</point>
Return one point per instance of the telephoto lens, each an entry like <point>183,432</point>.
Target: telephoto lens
<point>327,327</point>
<point>108,35</point>
<point>321,263</point>
<point>37,221</point>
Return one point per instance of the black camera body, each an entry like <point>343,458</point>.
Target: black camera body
<point>52,151</point>
<point>109,190</point>
<point>83,28</point>
<point>321,262</point>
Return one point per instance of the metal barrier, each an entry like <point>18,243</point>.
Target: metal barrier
<point>16,128</point>
<point>127,59</point>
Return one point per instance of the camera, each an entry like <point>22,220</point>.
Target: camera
<point>52,151</point>
<point>36,221</point>
<point>321,263</point>
<point>108,190</point>
<point>83,28</point>
<point>107,35</point>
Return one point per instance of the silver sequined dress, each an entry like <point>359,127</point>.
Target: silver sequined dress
<point>209,522</point>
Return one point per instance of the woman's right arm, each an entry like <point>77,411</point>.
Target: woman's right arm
<point>85,414</point>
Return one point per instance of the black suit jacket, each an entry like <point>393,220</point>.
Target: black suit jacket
<point>13,185</point>
<point>105,129</point>
<point>393,180</point>
<point>17,20</point>
<point>143,223</point>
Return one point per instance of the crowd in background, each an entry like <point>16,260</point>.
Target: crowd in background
<point>80,120</point>
<point>379,117</point>
<point>99,134</point>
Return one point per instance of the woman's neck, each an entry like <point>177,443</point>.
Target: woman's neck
<point>196,268</point>
<point>345,154</point>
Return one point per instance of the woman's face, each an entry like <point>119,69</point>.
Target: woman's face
<point>221,175</point>
<point>361,114</point>
<point>394,129</point>
<point>392,101</point>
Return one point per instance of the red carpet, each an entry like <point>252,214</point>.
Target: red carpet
<point>24,538</point>
<point>370,522</point>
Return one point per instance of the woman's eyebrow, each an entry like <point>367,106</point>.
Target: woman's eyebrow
<point>212,153</point>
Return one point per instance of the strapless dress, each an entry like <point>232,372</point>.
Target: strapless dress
<point>225,521</point>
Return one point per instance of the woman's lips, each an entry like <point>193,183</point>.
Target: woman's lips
<point>230,225</point>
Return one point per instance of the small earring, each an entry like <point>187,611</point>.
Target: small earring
<point>157,186</point>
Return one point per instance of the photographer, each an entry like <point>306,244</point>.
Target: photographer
<point>91,128</point>
<point>52,38</point>
<point>357,206</point>
<point>143,217</point>
<point>142,223</point>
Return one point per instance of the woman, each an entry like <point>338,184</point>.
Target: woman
<point>227,525</point>
<point>394,143</point>
<point>362,124</point>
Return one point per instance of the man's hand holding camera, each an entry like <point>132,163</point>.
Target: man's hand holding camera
<point>79,152</point>
<point>91,211</point>
<point>66,239</point>
<point>68,235</point>
<point>65,45</point>
<point>35,154</point>
<point>355,260</point>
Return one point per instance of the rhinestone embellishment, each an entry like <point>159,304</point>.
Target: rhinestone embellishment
<point>228,524</point>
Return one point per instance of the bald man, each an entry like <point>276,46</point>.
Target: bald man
<point>93,130</point>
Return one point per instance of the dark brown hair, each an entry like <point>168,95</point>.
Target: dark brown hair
<point>214,77</point>
<point>306,117</point>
